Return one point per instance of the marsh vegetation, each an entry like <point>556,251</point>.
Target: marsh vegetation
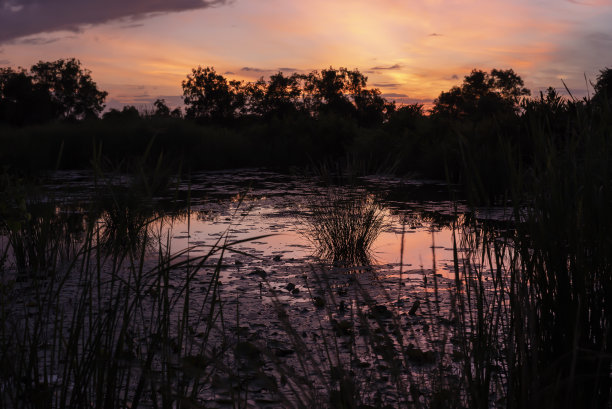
<point>142,283</point>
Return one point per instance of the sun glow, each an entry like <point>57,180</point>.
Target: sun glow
<point>414,51</point>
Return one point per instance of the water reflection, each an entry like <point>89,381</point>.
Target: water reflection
<point>345,226</point>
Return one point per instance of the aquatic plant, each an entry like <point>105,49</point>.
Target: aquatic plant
<point>343,227</point>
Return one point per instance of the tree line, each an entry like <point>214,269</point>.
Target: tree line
<point>63,90</point>
<point>55,90</point>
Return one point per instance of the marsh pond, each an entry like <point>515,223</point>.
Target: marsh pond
<point>246,288</point>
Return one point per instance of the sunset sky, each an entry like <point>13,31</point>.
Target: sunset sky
<point>140,50</point>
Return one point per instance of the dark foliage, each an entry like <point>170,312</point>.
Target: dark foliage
<point>603,88</point>
<point>57,90</point>
<point>209,96</point>
<point>22,101</point>
<point>482,95</point>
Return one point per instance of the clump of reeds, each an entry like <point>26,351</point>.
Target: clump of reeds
<point>343,227</point>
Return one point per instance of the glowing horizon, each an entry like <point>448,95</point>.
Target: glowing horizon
<point>410,52</point>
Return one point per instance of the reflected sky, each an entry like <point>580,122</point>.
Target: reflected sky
<point>289,240</point>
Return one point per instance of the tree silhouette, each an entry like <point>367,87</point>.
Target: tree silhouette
<point>59,89</point>
<point>22,101</point>
<point>342,92</point>
<point>482,95</point>
<point>209,95</point>
<point>161,109</point>
<point>406,117</point>
<point>329,91</point>
<point>372,108</point>
<point>128,112</point>
<point>281,95</point>
<point>72,90</point>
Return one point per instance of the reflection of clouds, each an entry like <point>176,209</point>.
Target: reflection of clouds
<point>24,17</point>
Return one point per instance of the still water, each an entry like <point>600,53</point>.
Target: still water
<point>284,254</point>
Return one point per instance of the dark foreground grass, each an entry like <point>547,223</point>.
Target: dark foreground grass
<point>98,311</point>
<point>558,274</point>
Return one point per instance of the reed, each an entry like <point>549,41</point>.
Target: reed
<point>556,344</point>
<point>343,227</point>
<point>108,326</point>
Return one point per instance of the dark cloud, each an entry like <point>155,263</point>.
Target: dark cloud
<point>19,18</point>
<point>36,41</point>
<point>133,25</point>
<point>252,69</point>
<point>600,37</point>
<point>229,73</point>
<point>5,62</point>
<point>454,77</point>
<point>435,35</point>
<point>394,95</point>
<point>392,67</point>
<point>386,85</point>
<point>591,2</point>
<point>288,69</point>
<point>405,99</point>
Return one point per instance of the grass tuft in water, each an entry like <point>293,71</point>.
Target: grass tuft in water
<point>343,228</point>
